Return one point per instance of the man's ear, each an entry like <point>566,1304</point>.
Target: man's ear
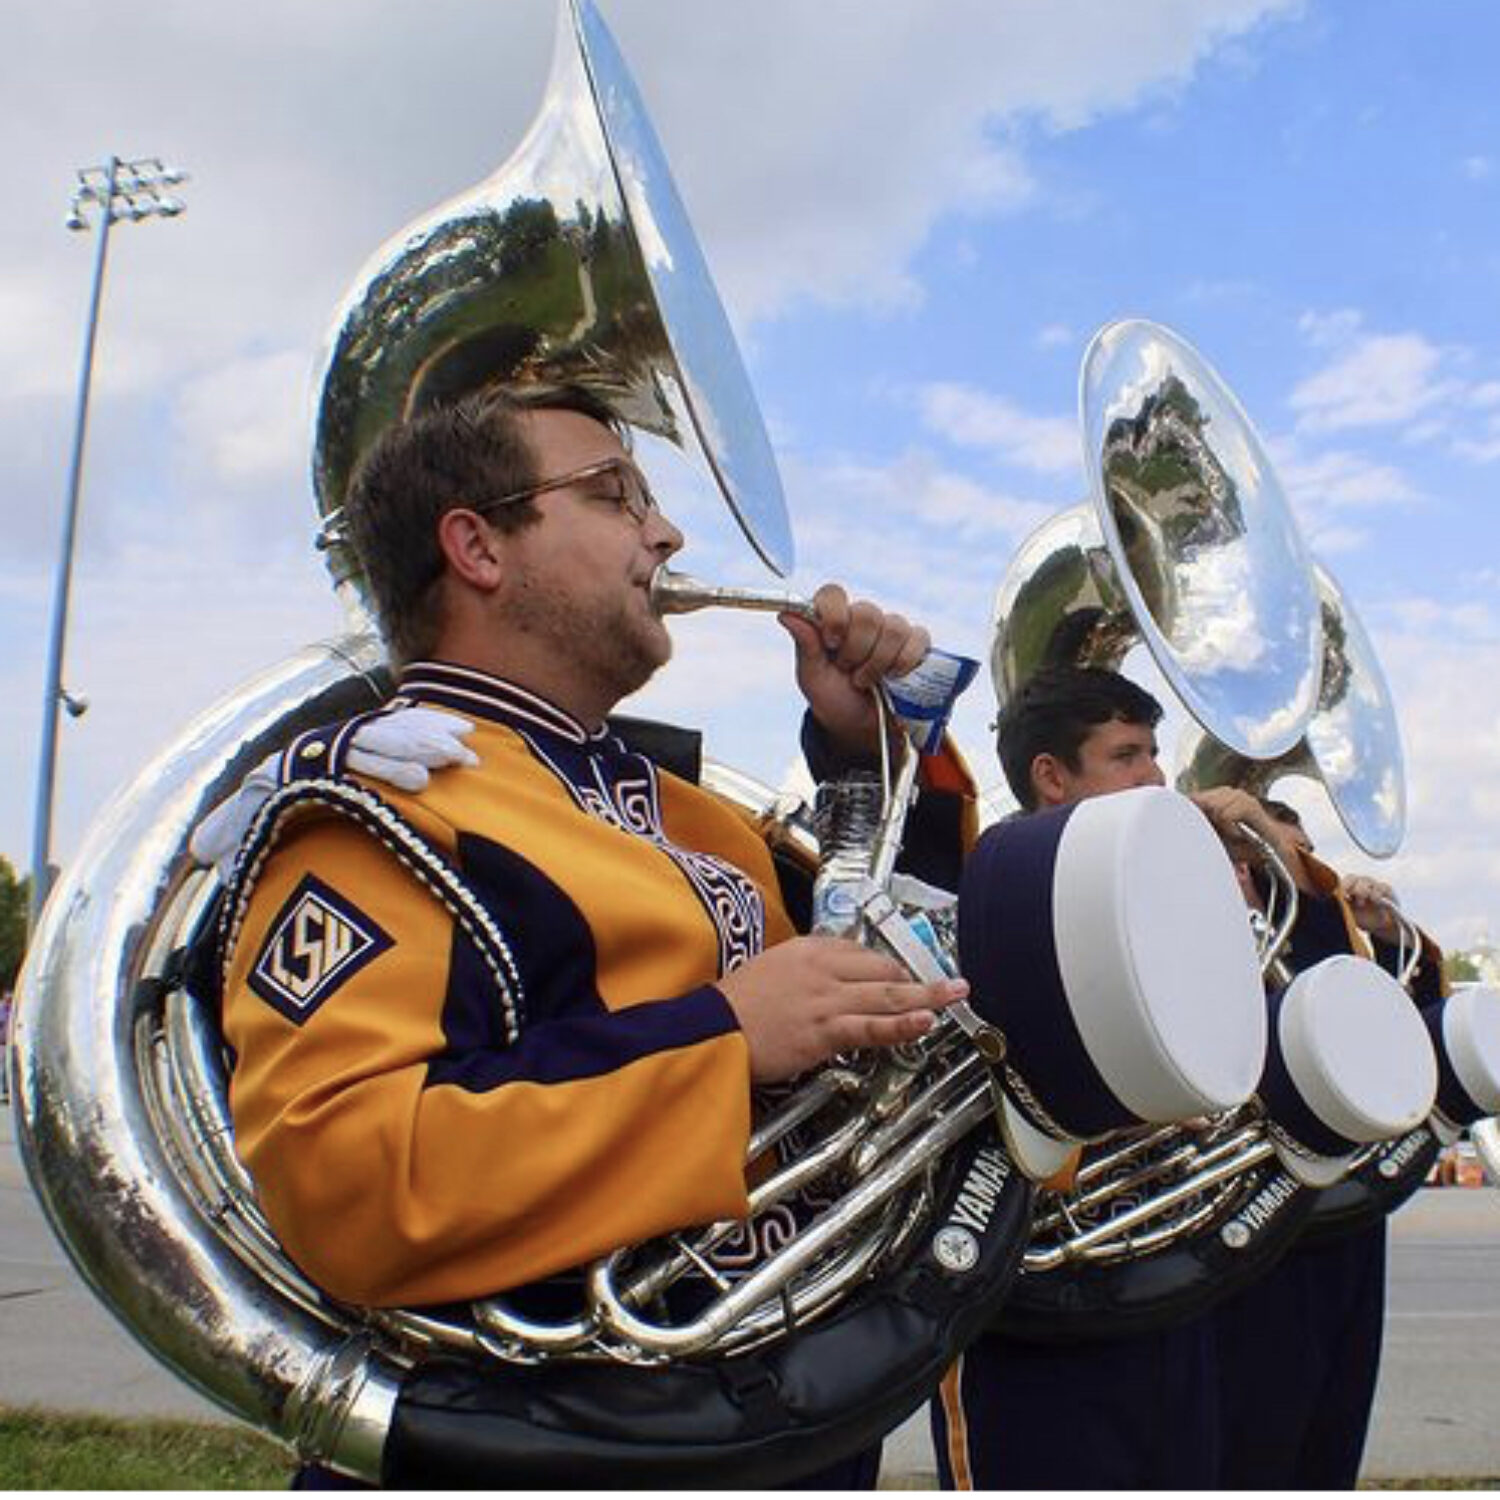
<point>470,547</point>
<point>1047,780</point>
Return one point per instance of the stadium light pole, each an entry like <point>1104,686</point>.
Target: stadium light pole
<point>119,189</point>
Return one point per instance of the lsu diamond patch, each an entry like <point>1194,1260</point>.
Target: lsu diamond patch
<point>317,942</point>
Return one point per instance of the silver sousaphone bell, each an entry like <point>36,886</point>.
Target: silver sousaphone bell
<point>574,261</point>
<point>1187,544</point>
<point>1352,746</point>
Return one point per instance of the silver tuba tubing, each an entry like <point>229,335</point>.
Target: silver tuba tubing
<point>1187,1175</point>
<point>97,1078</point>
<point>1408,944</point>
<point>748,1307</point>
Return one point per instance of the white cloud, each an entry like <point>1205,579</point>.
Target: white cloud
<point>1331,540</point>
<point>1478,441</point>
<point>1449,619</point>
<point>1451,731</point>
<point>34,360</point>
<point>1481,451</point>
<point>1208,291</point>
<point>1385,379</point>
<point>821,139</point>
<point>1327,330</point>
<point>972,418</point>
<point>1397,381</point>
<point>1339,480</point>
<point>153,642</point>
<point>916,488</point>
<point>247,420</point>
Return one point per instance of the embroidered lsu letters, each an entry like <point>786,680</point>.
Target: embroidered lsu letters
<point>317,941</point>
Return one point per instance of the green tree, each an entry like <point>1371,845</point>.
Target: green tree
<point>1460,967</point>
<point>15,901</point>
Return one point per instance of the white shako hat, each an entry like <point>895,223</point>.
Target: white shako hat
<point>1465,1031</point>
<point>1349,1063</point>
<point>1110,944</point>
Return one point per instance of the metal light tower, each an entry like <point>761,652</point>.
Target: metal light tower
<point>118,190</point>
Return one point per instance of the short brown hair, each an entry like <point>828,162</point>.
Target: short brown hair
<point>1283,812</point>
<point>447,456</point>
<point>1055,710</point>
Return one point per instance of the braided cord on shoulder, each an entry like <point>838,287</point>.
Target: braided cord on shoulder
<point>429,866</point>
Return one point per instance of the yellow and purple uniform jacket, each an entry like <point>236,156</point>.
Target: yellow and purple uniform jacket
<point>406,1149</point>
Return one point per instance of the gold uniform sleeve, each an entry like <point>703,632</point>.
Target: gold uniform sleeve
<point>404,1156</point>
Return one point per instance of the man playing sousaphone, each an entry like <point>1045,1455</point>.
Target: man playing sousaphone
<point>1203,1401</point>
<point>414,1141</point>
<point>490,1027</point>
<point>1136,1412</point>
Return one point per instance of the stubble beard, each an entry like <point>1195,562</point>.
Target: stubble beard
<point>611,645</point>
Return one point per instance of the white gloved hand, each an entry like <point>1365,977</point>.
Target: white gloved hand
<point>216,840</point>
<point>400,748</point>
<point>403,746</point>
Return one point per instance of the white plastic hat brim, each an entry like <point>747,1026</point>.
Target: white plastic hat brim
<point>1471,1037</point>
<point>1157,957</point>
<point>1357,1050</point>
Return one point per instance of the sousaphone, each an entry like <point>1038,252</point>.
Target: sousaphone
<point>1187,544</point>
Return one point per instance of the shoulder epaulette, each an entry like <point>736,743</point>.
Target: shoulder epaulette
<point>431,868</point>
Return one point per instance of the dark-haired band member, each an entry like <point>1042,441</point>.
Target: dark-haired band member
<point>1272,1389</point>
<point>1129,1413</point>
<point>1132,1412</point>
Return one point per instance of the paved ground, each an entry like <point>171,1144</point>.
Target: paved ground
<point>1435,1412</point>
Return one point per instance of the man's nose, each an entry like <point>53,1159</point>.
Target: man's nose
<point>661,535</point>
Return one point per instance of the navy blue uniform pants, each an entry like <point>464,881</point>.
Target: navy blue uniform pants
<point>1129,1413</point>
<point>1300,1353</point>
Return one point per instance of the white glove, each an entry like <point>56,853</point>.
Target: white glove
<point>216,840</point>
<point>399,748</point>
<point>403,746</point>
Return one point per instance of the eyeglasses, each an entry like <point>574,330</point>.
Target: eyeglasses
<point>629,490</point>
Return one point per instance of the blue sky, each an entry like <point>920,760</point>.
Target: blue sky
<point>917,215</point>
